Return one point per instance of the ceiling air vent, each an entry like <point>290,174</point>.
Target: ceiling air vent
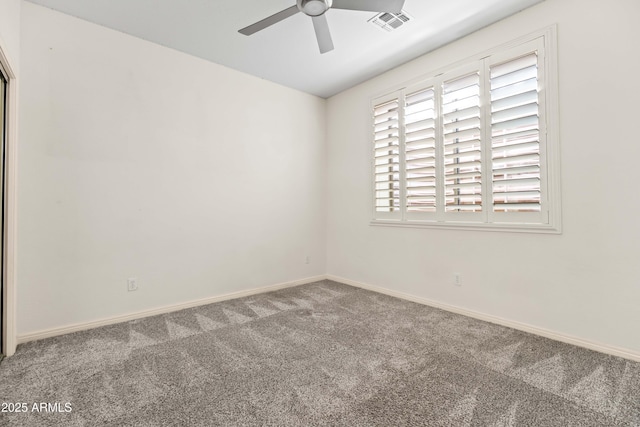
<point>390,21</point>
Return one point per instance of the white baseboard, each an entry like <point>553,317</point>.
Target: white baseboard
<point>602,348</point>
<point>47,333</point>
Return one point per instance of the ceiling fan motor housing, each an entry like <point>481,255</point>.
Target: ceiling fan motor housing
<point>314,7</point>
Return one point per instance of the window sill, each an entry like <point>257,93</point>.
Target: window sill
<point>474,226</point>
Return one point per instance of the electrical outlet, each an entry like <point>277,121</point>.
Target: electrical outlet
<point>132,284</point>
<point>307,260</point>
<point>457,279</point>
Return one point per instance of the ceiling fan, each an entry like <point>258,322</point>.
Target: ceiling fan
<point>316,10</point>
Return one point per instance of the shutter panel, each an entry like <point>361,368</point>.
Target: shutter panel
<point>462,152</point>
<point>515,135</point>
<point>386,140</point>
<point>420,150</point>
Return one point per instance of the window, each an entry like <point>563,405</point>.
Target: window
<point>471,146</point>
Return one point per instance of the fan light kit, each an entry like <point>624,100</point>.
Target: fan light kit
<point>316,10</point>
<point>314,7</point>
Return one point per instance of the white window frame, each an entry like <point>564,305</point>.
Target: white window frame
<point>544,42</point>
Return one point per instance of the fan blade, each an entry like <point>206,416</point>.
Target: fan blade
<point>267,22</point>
<point>391,6</point>
<point>322,33</point>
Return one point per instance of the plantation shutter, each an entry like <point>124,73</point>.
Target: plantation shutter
<point>420,150</point>
<point>470,146</point>
<point>462,145</point>
<point>386,139</point>
<point>515,135</point>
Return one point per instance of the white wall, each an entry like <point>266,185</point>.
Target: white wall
<point>139,161</point>
<point>136,160</point>
<point>584,283</point>
<point>10,30</point>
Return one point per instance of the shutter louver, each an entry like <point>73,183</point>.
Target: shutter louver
<point>462,144</point>
<point>515,135</point>
<point>420,151</point>
<point>386,141</point>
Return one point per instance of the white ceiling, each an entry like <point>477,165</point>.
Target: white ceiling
<point>287,53</point>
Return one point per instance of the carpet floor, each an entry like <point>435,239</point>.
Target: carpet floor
<point>322,354</point>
